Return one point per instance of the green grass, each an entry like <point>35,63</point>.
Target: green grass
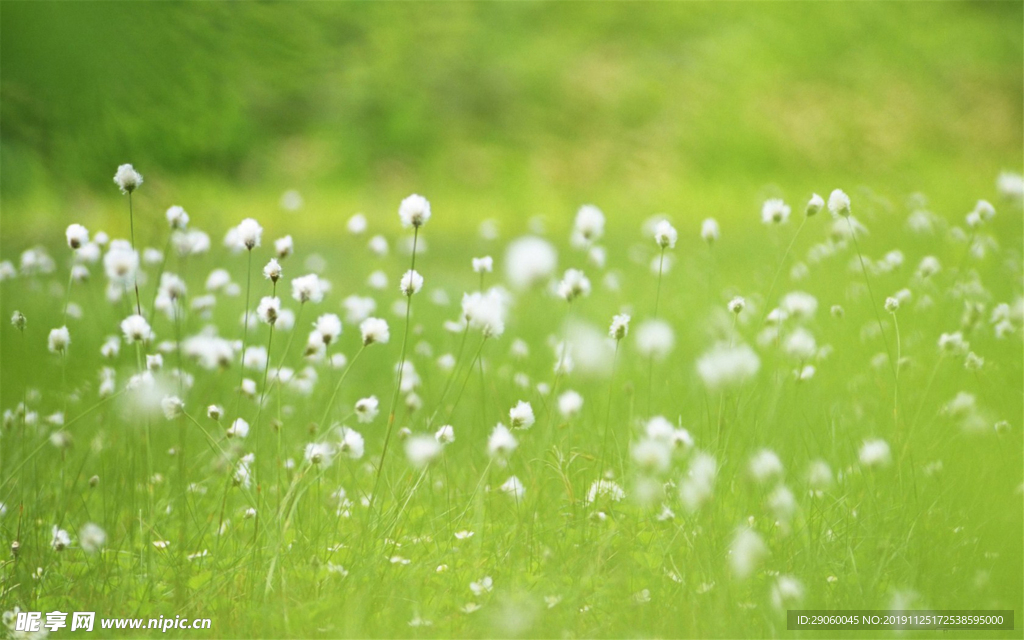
<point>908,532</point>
<point>504,112</point>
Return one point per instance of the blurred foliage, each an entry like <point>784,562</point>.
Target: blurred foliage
<point>504,97</point>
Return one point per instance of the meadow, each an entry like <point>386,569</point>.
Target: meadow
<point>538,320</point>
<point>549,435</point>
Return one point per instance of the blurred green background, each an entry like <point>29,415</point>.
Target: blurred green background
<point>504,110</point>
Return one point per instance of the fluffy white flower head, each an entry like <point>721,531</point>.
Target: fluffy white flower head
<point>414,211</point>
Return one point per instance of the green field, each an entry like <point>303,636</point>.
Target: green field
<point>821,448</point>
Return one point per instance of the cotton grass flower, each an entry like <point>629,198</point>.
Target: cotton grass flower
<point>59,539</point>
<point>374,331</point>
<point>774,211</point>
<point>574,284</point>
<point>814,205</point>
<point>411,283</point>
<point>839,203</point>
<point>501,443</point>
<point>521,416</point>
<point>173,407</point>
<point>366,409</point>
<point>486,311</point>
<point>307,288</point>
<point>284,247</point>
<point>414,211</point>
<point>238,429</point>
<point>875,454</point>
<point>136,329</point>
<point>710,231</point>
<point>269,310</point>
<point>589,224</point>
<point>421,450</point>
<point>127,178</point>
<point>91,537</point>
<point>570,403</point>
<point>529,261</point>
<point>77,236</point>
<point>272,270</point>
<point>445,434</point>
<point>765,466</point>
<point>483,265</point>
<point>59,340</point>
<point>745,553</point>
<point>665,235</point>
<point>655,339</point>
<point>249,233</point>
<point>619,328</point>
<point>726,366</point>
<point>177,218</point>
<point>736,305</point>
<point>329,327</point>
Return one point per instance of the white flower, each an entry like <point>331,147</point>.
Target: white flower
<point>521,415</point>
<point>136,329</point>
<point>445,435</point>
<point>329,327</point>
<point>482,586</point>
<point>284,247</point>
<point>374,330</point>
<point>356,224</point>
<point>215,411</point>
<point>513,487</point>
<point>60,539</point>
<point>486,311</point>
<point>414,211</point>
<point>619,328</point>
<point>655,339</point>
<point>709,231</point>
<point>737,304</point>
<point>121,262</point>
<point>589,225</point>
<point>799,304</point>
<point>351,443</point>
<point>269,309</point>
<point>573,285</point>
<point>699,484</point>
<point>172,407</point>
<point>665,235</point>
<point>570,404</point>
<point>249,233</point>
<point>839,203</point>
<point>77,236</point>
<point>746,553</point>
<point>529,261</point>
<point>91,538</point>
<point>272,271</point>
<point>501,442</point>
<point>800,345</point>
<point>127,178</point>
<point>238,429</point>
<point>318,454</point>
<point>765,465</point>
<point>307,288</point>
<point>177,217</point>
<point>814,205</point>
<point>985,210</point>
<point>483,265</point>
<point>411,283</point>
<point>892,304</point>
<point>819,475</point>
<point>358,308</point>
<point>605,489</point>
<point>651,455</point>
<point>875,453</point>
<point>367,409</point>
<point>59,340</point>
<point>774,211</point>
<point>421,450</point>
<point>787,593</point>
